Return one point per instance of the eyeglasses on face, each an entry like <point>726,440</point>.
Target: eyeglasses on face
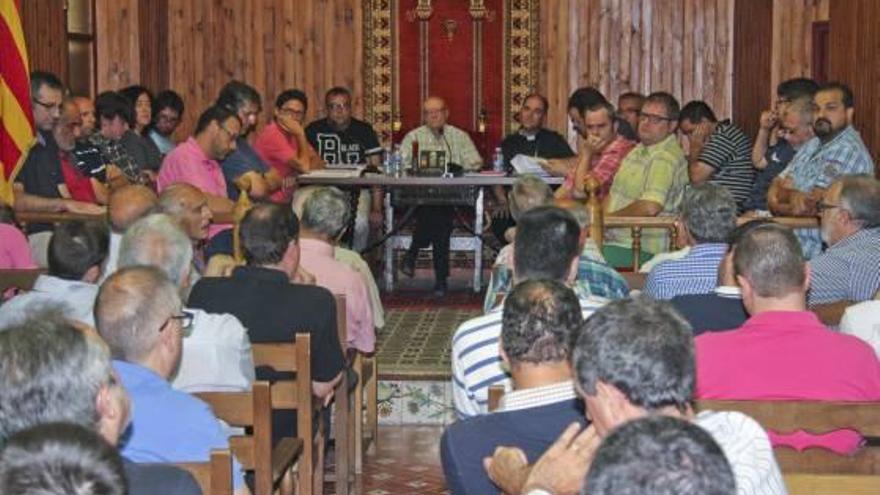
<point>653,118</point>
<point>186,322</point>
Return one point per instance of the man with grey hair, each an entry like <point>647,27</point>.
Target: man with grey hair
<point>708,216</point>
<point>324,218</point>
<point>138,312</point>
<point>52,370</point>
<point>217,352</point>
<point>632,359</point>
<point>850,216</point>
<point>783,351</point>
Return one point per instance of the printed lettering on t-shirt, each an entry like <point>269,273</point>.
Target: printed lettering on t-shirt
<point>333,150</point>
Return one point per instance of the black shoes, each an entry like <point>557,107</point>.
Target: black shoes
<point>440,288</point>
<point>408,265</point>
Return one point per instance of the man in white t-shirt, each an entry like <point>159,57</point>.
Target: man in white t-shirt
<point>635,358</point>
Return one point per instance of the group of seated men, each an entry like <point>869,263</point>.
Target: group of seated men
<point>139,304</point>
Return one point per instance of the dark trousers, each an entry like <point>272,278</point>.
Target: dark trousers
<point>434,227</point>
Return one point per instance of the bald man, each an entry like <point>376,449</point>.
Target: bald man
<point>127,205</point>
<point>86,109</point>
<point>187,205</point>
<point>447,144</point>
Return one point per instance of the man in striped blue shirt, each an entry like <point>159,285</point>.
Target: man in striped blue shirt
<point>708,216</point>
<point>546,247</point>
<point>849,270</point>
<point>836,151</point>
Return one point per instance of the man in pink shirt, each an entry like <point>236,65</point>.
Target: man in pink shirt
<point>283,145</point>
<point>195,162</point>
<point>783,351</point>
<point>324,219</point>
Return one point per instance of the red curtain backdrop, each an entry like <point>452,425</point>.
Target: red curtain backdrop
<point>467,74</point>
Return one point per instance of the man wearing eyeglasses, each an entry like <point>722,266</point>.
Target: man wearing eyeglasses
<point>650,181</point>
<point>343,139</point>
<point>283,146</point>
<point>196,162</point>
<point>36,185</point>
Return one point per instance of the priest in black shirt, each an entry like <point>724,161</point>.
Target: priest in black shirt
<point>532,139</point>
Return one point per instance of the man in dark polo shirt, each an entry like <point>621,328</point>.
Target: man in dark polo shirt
<point>532,139</point>
<point>261,296</point>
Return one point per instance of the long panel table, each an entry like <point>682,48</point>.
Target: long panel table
<point>473,243</point>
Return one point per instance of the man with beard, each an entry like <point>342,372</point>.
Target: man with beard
<point>837,150</point>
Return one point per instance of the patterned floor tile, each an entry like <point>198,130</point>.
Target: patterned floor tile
<point>406,461</point>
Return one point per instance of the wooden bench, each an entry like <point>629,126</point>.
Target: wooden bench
<point>22,279</point>
<point>814,417</point>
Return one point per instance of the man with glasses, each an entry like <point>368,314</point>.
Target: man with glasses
<point>283,146</point>
<point>167,111</point>
<point>837,150</point>
<point>342,139</point>
<point>195,162</point>
<point>850,215</point>
<point>36,185</point>
<point>650,181</point>
<point>138,313</point>
<point>774,146</point>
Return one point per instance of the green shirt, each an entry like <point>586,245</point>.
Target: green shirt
<point>655,173</point>
<point>460,149</point>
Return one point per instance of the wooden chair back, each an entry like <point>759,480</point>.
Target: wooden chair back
<point>831,484</point>
<point>215,476</point>
<point>296,357</point>
<point>344,420</point>
<point>813,417</point>
<point>21,279</point>
<point>255,452</point>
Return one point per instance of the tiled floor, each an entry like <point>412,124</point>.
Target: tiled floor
<point>407,461</point>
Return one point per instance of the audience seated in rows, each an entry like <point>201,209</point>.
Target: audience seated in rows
<point>325,216</point>
<point>650,181</point>
<point>722,308</point>
<point>546,247</point>
<point>77,252</point>
<point>782,130</point>
<point>708,216</point>
<point>539,320</point>
<point>835,151</point>
<point>216,354</point>
<point>60,458</point>
<point>56,371</point>
<point>134,159</point>
<point>718,152</point>
<point>783,351</point>
<point>850,219</point>
<point>138,312</point>
<point>635,358</point>
<point>195,162</point>
<point>660,455</point>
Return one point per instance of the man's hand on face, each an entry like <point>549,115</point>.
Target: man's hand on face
<point>594,144</point>
<point>290,124</point>
<point>700,134</point>
<point>769,118</point>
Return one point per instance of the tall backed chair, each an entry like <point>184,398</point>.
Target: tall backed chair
<point>296,394</point>
<point>215,476</point>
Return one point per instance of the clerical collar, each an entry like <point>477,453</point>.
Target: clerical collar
<point>530,136</point>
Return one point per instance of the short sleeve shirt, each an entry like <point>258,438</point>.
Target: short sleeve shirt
<point>777,157</point>
<point>40,175</point>
<point>655,173</point>
<point>454,141</point>
<point>276,148</point>
<point>543,144</point>
<point>243,159</point>
<point>350,146</point>
<point>729,151</point>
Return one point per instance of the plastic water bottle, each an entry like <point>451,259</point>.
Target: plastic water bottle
<point>386,161</point>
<point>498,161</point>
<point>396,162</point>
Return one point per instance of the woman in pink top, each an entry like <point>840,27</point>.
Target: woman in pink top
<point>14,250</point>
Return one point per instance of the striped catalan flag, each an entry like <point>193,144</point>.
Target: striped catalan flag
<point>17,133</point>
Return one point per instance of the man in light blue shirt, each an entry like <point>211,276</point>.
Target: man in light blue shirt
<point>138,312</point>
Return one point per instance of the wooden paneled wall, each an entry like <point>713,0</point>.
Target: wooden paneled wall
<point>44,23</point>
<point>753,25</point>
<point>792,52</point>
<point>196,46</point>
<point>854,57</point>
<point>684,47</point>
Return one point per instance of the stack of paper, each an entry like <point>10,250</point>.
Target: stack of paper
<point>336,173</point>
<point>524,164</point>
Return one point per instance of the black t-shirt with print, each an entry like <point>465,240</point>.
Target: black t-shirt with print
<point>350,146</point>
